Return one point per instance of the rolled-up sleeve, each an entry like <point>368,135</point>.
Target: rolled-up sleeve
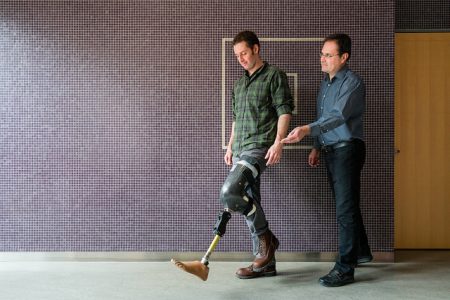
<point>281,94</point>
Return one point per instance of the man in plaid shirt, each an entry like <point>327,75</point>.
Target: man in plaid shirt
<point>262,105</point>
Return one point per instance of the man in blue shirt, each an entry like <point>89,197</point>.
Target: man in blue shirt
<point>338,136</point>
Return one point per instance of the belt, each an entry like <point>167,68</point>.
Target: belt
<point>331,148</point>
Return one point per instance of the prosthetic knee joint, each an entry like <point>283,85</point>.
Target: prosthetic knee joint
<point>233,194</point>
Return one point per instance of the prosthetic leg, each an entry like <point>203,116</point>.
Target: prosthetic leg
<point>235,199</point>
<point>200,268</point>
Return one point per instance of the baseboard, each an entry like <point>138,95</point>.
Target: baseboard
<point>166,256</point>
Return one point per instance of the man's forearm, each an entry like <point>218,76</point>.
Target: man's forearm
<point>230,141</point>
<point>282,126</point>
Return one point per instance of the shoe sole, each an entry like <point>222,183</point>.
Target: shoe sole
<point>323,283</point>
<point>364,260</point>
<point>262,274</point>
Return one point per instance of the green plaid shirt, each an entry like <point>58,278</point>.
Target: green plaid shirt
<point>258,101</point>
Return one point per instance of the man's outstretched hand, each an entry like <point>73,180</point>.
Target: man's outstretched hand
<point>296,135</point>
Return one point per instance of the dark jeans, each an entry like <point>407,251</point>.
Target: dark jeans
<point>256,222</point>
<point>344,167</point>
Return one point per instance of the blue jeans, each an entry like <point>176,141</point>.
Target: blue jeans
<point>256,222</point>
<point>344,166</point>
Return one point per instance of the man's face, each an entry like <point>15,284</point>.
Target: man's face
<point>330,60</point>
<point>246,56</point>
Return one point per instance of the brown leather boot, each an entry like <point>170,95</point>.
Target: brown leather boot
<point>268,244</point>
<point>249,272</point>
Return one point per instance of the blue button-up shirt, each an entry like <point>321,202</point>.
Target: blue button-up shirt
<point>340,108</point>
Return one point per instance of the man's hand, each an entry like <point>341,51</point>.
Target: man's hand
<point>273,156</point>
<point>313,158</point>
<point>296,135</point>
<point>228,157</point>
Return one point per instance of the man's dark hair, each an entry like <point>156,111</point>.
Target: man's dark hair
<point>246,36</point>
<point>343,41</point>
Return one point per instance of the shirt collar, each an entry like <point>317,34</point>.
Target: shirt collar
<point>340,74</point>
<point>257,71</point>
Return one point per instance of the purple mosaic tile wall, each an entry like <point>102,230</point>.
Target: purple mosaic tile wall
<point>413,15</point>
<point>111,122</point>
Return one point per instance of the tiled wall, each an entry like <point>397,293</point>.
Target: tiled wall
<point>418,15</point>
<point>111,122</point>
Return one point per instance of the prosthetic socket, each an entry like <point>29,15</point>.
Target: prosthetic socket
<point>233,195</point>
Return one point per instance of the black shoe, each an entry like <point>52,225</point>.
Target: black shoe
<point>336,278</point>
<point>364,259</point>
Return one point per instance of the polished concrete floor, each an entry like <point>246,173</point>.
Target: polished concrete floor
<point>414,275</point>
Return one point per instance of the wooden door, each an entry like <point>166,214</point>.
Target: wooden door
<point>422,140</point>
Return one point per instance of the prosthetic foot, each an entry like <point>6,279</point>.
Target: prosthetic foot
<point>194,267</point>
<point>200,268</point>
